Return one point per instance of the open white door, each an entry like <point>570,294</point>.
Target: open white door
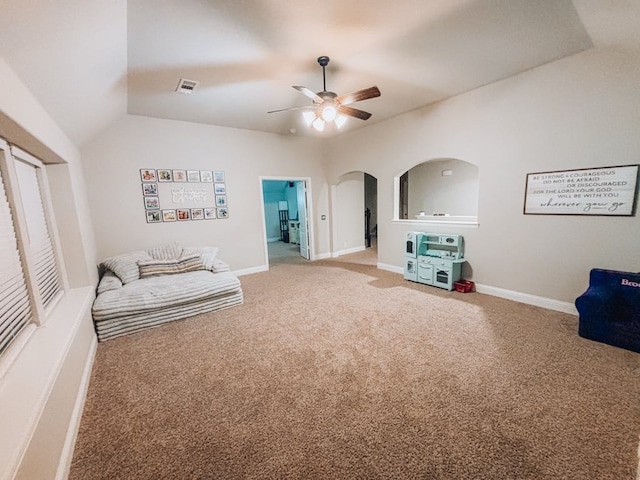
<point>302,216</point>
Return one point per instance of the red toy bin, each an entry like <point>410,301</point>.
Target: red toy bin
<point>464,286</point>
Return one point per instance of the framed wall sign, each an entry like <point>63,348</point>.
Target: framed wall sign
<point>610,191</point>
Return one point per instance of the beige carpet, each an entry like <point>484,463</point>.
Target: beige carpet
<point>337,370</point>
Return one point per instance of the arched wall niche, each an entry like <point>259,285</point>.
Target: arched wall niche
<point>440,190</point>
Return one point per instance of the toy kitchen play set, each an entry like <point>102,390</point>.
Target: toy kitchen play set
<point>434,259</point>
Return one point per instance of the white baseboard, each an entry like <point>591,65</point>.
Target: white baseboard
<point>274,239</point>
<point>543,302</point>
<point>549,303</point>
<point>74,424</point>
<point>390,268</point>
<point>321,256</point>
<point>347,251</point>
<point>250,270</point>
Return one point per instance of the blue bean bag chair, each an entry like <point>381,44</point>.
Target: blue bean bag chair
<point>610,309</point>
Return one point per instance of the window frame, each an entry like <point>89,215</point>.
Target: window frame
<point>9,155</point>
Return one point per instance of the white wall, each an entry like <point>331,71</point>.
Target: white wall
<point>455,194</point>
<point>577,112</point>
<point>112,164</point>
<point>349,213</point>
<point>42,390</point>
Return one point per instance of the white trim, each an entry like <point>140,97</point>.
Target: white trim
<point>321,256</point>
<point>308,206</point>
<point>347,251</point>
<point>26,157</point>
<point>548,303</point>
<point>433,221</point>
<point>543,302</point>
<point>250,270</point>
<point>41,347</point>
<point>638,470</point>
<point>333,199</point>
<point>76,416</point>
<point>273,239</point>
<point>390,268</point>
<point>15,347</point>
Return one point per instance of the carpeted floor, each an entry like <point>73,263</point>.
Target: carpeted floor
<point>337,370</point>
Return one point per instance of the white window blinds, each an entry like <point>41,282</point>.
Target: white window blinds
<point>31,275</point>
<point>39,240</point>
<point>15,309</point>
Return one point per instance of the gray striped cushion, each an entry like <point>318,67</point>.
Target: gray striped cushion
<point>126,266</point>
<point>166,252</point>
<point>153,267</point>
<point>109,281</point>
<point>207,254</point>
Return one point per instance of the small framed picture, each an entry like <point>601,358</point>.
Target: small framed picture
<point>193,176</point>
<point>147,175</point>
<point>164,176</point>
<point>223,212</point>
<point>221,200</point>
<point>153,216</point>
<point>183,214</point>
<point>219,188</point>
<point>197,214</point>
<point>218,177</point>
<point>209,213</point>
<point>179,175</point>
<point>206,176</point>
<point>169,215</point>
<point>151,203</point>
<point>150,189</point>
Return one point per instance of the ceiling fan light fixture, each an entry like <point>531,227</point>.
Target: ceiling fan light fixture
<point>340,120</point>
<point>329,113</point>
<point>308,117</point>
<point>318,124</point>
<point>329,107</point>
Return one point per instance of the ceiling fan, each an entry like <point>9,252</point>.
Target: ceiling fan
<point>330,107</point>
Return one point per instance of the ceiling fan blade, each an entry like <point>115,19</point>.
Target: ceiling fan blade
<point>292,108</point>
<point>305,91</point>
<point>354,112</point>
<point>358,96</point>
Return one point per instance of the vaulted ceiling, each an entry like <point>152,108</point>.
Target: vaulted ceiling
<point>90,61</point>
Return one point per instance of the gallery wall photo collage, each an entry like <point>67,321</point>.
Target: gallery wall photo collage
<point>183,195</point>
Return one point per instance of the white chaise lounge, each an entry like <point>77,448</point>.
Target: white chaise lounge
<point>145,289</point>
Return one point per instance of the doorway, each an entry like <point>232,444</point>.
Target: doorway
<point>285,213</point>
<point>355,215</point>
<point>371,212</point>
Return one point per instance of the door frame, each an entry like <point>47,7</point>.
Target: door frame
<point>309,208</point>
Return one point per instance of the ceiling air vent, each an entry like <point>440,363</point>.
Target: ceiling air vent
<point>186,86</point>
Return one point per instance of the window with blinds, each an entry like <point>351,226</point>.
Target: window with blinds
<point>15,310</point>
<point>39,240</point>
<point>30,276</point>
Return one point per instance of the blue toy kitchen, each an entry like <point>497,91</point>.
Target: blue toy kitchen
<point>434,259</point>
